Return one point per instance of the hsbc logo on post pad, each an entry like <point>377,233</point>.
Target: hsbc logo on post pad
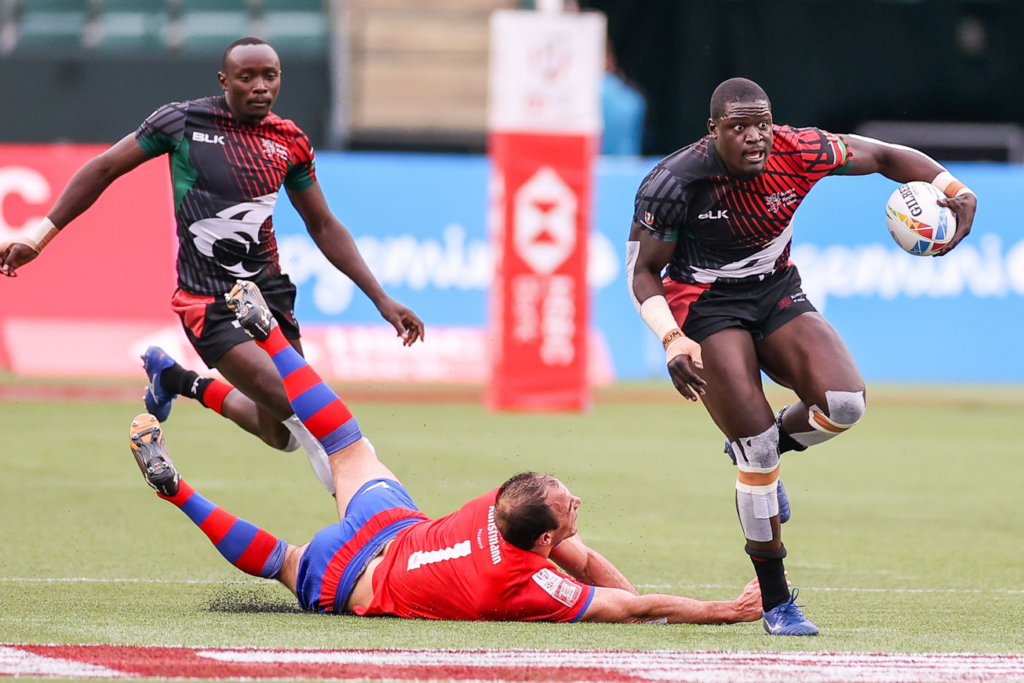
<point>545,221</point>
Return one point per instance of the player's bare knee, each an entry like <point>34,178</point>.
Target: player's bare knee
<point>757,480</point>
<point>843,410</point>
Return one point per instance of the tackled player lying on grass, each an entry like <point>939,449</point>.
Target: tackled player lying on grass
<point>489,560</point>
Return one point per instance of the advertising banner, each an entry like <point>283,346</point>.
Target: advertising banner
<point>99,295</point>
<point>115,263</point>
<point>430,249</point>
<point>544,125</point>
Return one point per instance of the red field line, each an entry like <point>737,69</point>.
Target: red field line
<point>115,661</point>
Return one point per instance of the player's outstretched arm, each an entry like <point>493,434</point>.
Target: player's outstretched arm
<point>588,566</point>
<point>905,165</point>
<point>611,605</point>
<point>646,258</point>
<point>82,191</point>
<point>336,243</point>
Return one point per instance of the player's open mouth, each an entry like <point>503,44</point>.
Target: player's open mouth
<point>755,156</point>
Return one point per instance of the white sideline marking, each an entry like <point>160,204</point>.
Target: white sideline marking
<point>1003,591</point>
<point>688,667</point>
<point>15,662</point>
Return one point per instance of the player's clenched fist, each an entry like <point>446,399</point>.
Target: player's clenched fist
<point>682,355</point>
<point>14,255</point>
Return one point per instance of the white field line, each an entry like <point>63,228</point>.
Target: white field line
<point>15,662</point>
<point>688,667</point>
<point>1003,591</point>
<point>652,586</point>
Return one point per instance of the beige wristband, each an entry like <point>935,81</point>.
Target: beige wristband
<point>38,237</point>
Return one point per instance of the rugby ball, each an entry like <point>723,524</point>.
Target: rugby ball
<point>916,221</point>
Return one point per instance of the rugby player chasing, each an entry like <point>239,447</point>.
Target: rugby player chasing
<point>718,215</point>
<point>229,156</point>
<point>489,560</point>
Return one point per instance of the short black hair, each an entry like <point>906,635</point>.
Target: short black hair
<point>735,90</point>
<point>251,40</point>
<point>521,511</point>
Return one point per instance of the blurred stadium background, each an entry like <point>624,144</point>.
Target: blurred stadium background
<point>397,89</point>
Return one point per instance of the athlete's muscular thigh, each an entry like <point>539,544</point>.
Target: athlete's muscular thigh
<point>808,355</point>
<point>734,396</point>
<point>250,370</point>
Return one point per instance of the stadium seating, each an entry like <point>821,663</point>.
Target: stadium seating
<point>77,27</point>
<point>55,27</point>
<point>132,26</point>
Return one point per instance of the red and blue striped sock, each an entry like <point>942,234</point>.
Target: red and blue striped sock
<point>242,543</point>
<point>325,415</point>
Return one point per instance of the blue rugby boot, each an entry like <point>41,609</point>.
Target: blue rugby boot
<point>158,402</point>
<point>784,510</point>
<point>787,619</point>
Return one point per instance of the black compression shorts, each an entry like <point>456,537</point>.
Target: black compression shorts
<point>212,327</point>
<point>762,307</point>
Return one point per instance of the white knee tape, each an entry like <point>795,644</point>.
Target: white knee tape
<point>756,506</point>
<point>314,451</point>
<point>845,409</point>
<point>758,453</point>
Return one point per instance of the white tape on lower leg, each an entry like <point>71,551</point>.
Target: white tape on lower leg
<point>756,505</point>
<point>756,510</point>
<point>318,458</point>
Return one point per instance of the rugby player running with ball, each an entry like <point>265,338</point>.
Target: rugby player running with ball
<point>229,156</point>
<point>718,214</point>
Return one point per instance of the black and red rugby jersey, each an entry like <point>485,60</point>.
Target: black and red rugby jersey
<point>729,229</point>
<point>226,176</point>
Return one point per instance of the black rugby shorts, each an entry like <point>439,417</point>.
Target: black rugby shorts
<point>761,307</point>
<point>212,327</point>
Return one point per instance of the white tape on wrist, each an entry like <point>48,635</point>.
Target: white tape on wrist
<point>40,236</point>
<point>950,186</point>
<point>658,316</point>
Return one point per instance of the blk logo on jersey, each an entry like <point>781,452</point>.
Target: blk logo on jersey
<point>714,215</point>
<point>207,138</point>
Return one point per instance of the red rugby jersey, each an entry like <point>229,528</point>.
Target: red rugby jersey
<point>459,567</point>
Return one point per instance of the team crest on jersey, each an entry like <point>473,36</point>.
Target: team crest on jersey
<point>273,149</point>
<point>558,587</point>
<point>776,201</point>
<point>648,219</point>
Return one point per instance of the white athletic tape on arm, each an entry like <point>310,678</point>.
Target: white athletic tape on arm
<point>658,316</point>
<point>40,236</point>
<point>632,252</point>
<point>949,185</point>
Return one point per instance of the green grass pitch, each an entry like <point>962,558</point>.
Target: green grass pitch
<point>907,533</point>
